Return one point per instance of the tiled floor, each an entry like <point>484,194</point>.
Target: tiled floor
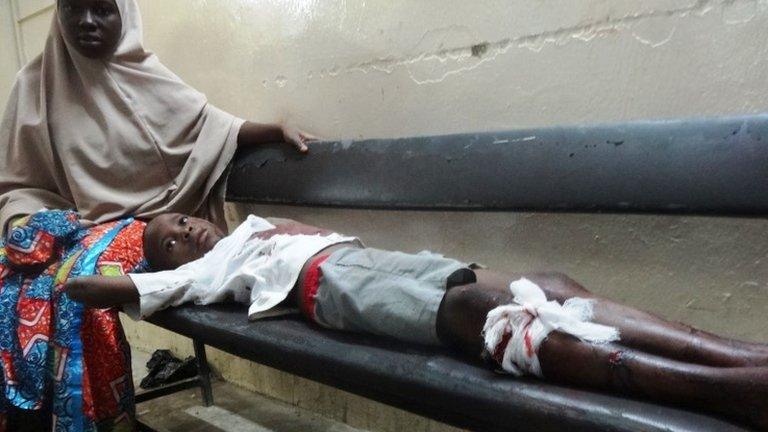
<point>235,410</point>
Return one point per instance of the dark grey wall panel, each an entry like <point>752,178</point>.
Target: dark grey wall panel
<point>681,166</point>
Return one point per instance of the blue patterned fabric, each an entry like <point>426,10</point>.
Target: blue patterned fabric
<point>41,350</point>
<point>38,238</point>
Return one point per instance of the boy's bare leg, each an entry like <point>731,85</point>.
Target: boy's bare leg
<point>639,330</point>
<point>647,332</point>
<point>739,392</point>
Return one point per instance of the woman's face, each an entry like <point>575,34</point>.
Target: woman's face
<point>92,27</point>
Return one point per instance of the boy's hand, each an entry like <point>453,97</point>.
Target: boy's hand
<point>101,292</point>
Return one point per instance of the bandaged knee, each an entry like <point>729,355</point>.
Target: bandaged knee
<point>513,333</point>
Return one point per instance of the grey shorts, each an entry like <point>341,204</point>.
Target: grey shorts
<point>385,293</point>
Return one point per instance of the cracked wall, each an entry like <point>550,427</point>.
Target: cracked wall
<point>359,69</point>
<point>397,68</point>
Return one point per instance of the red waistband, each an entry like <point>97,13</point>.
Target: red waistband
<point>311,283</point>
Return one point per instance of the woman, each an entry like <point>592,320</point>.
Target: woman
<point>96,123</point>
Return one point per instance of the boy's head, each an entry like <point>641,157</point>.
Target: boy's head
<point>173,239</point>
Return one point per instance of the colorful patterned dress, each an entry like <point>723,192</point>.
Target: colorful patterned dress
<point>55,354</point>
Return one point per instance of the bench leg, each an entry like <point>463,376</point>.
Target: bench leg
<point>204,372</point>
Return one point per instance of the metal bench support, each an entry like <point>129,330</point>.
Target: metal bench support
<point>203,372</point>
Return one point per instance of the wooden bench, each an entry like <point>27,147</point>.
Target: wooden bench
<point>710,166</point>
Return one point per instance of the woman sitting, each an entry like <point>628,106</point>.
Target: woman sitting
<point>96,123</point>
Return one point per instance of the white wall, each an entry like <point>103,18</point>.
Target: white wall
<point>23,29</point>
<point>9,63</point>
<point>399,67</point>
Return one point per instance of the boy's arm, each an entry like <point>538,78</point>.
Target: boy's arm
<point>102,291</point>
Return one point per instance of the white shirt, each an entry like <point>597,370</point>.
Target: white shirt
<point>241,267</point>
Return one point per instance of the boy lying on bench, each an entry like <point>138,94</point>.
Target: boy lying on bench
<point>540,324</point>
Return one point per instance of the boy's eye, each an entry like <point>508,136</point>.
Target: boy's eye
<point>169,245</point>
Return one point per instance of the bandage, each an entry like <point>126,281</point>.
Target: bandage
<point>514,332</point>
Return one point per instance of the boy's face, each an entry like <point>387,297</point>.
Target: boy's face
<point>173,239</point>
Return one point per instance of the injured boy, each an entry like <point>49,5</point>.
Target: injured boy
<point>541,324</point>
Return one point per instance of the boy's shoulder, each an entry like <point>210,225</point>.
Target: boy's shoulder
<point>280,221</point>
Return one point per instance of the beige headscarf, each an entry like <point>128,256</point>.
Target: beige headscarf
<point>110,138</point>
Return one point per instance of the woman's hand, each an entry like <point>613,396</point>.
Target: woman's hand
<point>297,138</point>
<point>256,133</point>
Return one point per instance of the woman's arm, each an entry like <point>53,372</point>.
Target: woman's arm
<point>260,133</point>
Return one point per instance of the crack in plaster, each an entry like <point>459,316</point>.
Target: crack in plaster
<point>537,42</point>
<point>735,12</point>
<point>649,40</point>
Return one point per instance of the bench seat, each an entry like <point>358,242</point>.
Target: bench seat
<point>430,382</point>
